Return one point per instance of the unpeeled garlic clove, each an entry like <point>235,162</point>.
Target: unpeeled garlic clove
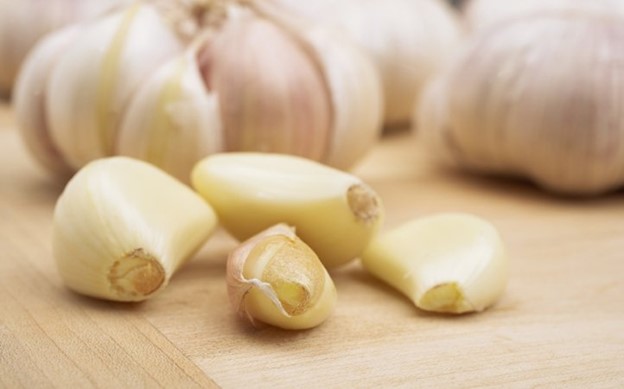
<point>275,278</point>
<point>334,212</point>
<point>173,121</point>
<point>271,96</point>
<point>29,100</point>
<point>122,228</point>
<point>95,79</point>
<point>450,263</point>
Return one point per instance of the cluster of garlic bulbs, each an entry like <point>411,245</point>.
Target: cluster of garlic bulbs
<point>539,95</point>
<point>23,22</point>
<point>172,81</point>
<point>409,40</point>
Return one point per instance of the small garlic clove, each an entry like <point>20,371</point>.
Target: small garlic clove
<point>92,84</point>
<point>30,100</point>
<point>275,278</point>
<point>450,263</point>
<point>173,121</point>
<point>352,79</point>
<point>271,96</point>
<point>122,228</point>
<point>334,212</point>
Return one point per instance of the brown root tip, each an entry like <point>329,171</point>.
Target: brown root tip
<point>136,276</point>
<point>364,203</point>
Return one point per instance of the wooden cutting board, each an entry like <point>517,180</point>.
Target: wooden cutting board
<point>560,322</point>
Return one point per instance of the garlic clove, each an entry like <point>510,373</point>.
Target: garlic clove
<point>275,278</point>
<point>122,228</point>
<point>173,121</point>
<point>334,212</point>
<point>30,100</point>
<point>450,263</point>
<point>94,80</point>
<point>271,96</point>
<point>352,79</point>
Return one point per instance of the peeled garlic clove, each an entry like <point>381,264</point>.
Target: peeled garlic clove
<point>93,82</point>
<point>352,80</point>
<point>451,263</point>
<point>522,101</point>
<point>122,228</point>
<point>173,121</point>
<point>271,96</point>
<point>30,100</point>
<point>333,212</point>
<point>275,278</point>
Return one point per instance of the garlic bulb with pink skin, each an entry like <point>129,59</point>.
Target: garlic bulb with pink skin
<point>537,97</point>
<point>224,76</point>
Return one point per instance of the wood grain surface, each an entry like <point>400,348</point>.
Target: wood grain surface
<point>559,324</point>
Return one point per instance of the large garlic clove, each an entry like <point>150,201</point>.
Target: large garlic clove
<point>352,79</point>
<point>122,228</point>
<point>451,263</point>
<point>173,121</point>
<point>30,100</point>
<point>408,40</point>
<point>92,84</point>
<point>275,278</point>
<point>271,96</point>
<point>512,111</point>
<point>333,212</point>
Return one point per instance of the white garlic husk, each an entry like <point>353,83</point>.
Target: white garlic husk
<point>409,41</point>
<point>538,97</point>
<point>208,86</point>
<point>481,14</point>
<point>24,22</point>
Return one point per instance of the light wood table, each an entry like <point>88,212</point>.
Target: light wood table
<point>559,324</point>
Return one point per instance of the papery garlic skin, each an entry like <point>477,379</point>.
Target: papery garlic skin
<point>408,40</point>
<point>333,212</point>
<point>448,263</point>
<point>122,228</point>
<point>173,121</point>
<point>275,278</point>
<point>94,81</point>
<point>30,101</point>
<point>539,97</point>
<point>24,22</point>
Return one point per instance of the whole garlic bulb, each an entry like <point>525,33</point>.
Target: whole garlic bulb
<point>480,14</point>
<point>224,76</point>
<point>23,22</point>
<point>409,40</point>
<point>539,97</point>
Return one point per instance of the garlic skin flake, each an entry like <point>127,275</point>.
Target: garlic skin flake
<point>448,263</point>
<point>122,228</point>
<point>275,278</point>
<point>334,212</point>
<point>522,101</point>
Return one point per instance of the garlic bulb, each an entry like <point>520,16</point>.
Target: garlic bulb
<point>539,96</point>
<point>480,14</point>
<point>409,41</point>
<point>23,22</point>
<point>207,86</point>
